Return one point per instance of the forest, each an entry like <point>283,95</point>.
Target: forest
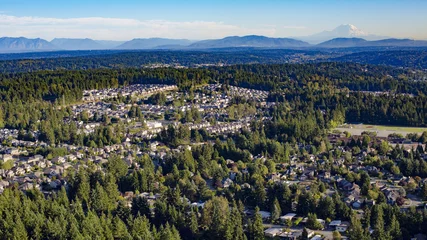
<point>413,58</point>
<point>310,100</point>
<point>29,97</point>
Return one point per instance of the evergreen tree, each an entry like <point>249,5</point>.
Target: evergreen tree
<point>393,228</point>
<point>83,187</point>
<point>312,222</point>
<point>236,222</point>
<point>99,199</point>
<point>19,232</point>
<point>193,223</point>
<point>117,167</point>
<point>175,233</point>
<point>275,210</point>
<point>424,192</point>
<point>120,230</point>
<point>141,229</point>
<point>336,235</point>
<point>326,208</point>
<point>140,207</point>
<point>285,198</point>
<point>257,228</point>
<point>165,232</point>
<point>356,231</point>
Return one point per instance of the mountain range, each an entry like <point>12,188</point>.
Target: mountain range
<point>150,43</point>
<point>344,36</point>
<point>360,42</point>
<point>250,41</point>
<point>22,44</point>
<point>343,31</point>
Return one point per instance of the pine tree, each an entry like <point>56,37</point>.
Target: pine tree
<point>140,207</point>
<point>366,220</point>
<point>285,198</point>
<point>141,229</point>
<point>19,231</point>
<point>175,233</point>
<point>99,199</point>
<point>193,224</point>
<point>91,226</point>
<point>275,210</point>
<point>312,222</point>
<point>120,229</point>
<point>377,216</point>
<point>336,235</point>
<point>83,187</point>
<point>117,167</point>
<point>107,226</point>
<point>394,228</point>
<point>424,191</point>
<point>236,220</point>
<point>379,233</point>
<point>74,232</point>
<point>229,228</point>
<point>112,192</point>
<point>257,227</point>
<point>165,232</point>
<point>122,211</point>
<point>62,198</point>
<point>326,208</point>
<point>356,231</point>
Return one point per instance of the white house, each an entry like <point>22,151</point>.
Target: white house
<point>288,216</point>
<point>272,232</point>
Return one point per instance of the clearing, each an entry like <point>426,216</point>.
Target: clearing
<point>382,131</point>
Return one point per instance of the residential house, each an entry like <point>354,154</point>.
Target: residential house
<point>288,216</point>
<point>272,232</point>
<point>58,160</point>
<point>342,227</point>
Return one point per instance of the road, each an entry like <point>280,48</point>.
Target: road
<point>413,200</point>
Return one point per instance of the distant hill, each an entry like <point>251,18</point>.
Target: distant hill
<point>76,44</point>
<point>397,58</point>
<point>342,43</point>
<point>250,41</point>
<point>342,31</point>
<point>359,42</point>
<point>21,44</point>
<point>109,44</point>
<point>150,43</point>
<point>392,42</point>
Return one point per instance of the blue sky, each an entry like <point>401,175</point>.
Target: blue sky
<point>127,19</point>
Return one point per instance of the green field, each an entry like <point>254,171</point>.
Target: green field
<point>382,131</point>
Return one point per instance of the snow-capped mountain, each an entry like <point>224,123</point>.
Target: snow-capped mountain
<point>347,30</point>
<point>343,31</point>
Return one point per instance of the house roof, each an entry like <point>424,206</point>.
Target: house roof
<point>288,216</point>
<point>335,223</point>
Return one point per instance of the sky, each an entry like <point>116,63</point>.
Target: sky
<point>207,19</point>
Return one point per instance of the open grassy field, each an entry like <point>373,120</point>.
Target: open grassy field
<point>382,131</point>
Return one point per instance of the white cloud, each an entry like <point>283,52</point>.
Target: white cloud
<point>120,28</point>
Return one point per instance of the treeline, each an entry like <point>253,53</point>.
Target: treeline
<point>135,59</point>
<point>47,85</point>
<point>396,58</point>
<point>82,60</point>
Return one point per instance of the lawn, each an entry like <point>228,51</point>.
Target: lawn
<point>382,131</point>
